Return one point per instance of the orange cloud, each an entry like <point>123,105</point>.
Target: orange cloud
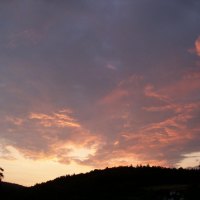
<point>197,46</point>
<point>55,119</point>
<point>57,136</point>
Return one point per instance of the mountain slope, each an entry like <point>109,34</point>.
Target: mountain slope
<point>141,183</point>
<point>121,183</point>
<point>11,190</point>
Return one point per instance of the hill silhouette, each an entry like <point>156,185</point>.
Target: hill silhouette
<point>141,182</point>
<point>11,191</point>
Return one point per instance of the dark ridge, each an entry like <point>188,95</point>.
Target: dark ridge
<point>12,186</point>
<point>11,190</point>
<point>141,182</point>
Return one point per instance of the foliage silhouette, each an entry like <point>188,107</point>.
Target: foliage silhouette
<point>1,174</point>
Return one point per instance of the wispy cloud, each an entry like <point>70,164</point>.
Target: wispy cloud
<point>55,120</point>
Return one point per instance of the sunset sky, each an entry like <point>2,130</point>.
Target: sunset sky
<point>88,84</point>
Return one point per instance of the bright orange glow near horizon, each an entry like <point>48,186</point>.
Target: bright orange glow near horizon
<point>20,169</point>
<point>95,84</point>
<point>28,172</point>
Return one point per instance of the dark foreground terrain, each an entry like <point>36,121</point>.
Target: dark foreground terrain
<point>134,183</point>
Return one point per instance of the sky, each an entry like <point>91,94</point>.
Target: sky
<point>93,84</point>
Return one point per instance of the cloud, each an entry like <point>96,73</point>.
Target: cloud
<point>123,90</point>
<point>154,125</point>
<point>100,83</point>
<point>111,67</point>
<point>149,92</point>
<point>116,95</point>
<point>56,136</point>
<point>15,120</point>
<point>196,49</point>
<point>56,119</point>
<point>197,46</point>
<point>187,85</point>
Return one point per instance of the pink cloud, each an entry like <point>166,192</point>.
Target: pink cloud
<point>151,136</point>
<point>188,83</point>
<point>127,129</point>
<point>149,91</point>
<point>114,96</point>
<point>185,86</point>
<point>125,88</point>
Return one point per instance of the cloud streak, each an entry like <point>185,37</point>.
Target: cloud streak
<point>56,119</point>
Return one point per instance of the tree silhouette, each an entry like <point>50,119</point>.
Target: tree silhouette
<point>1,174</point>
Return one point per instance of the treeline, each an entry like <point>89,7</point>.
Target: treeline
<point>138,176</point>
<point>141,182</point>
<point>129,182</point>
